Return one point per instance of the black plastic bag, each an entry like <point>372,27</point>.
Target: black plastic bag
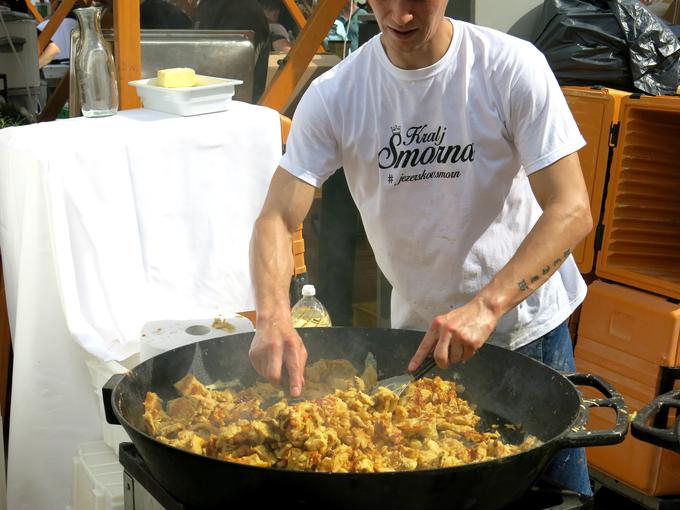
<point>618,44</point>
<point>654,48</point>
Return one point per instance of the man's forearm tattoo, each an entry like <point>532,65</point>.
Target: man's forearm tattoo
<point>524,286</point>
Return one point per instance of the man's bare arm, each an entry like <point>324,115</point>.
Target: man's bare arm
<point>271,265</point>
<point>566,220</point>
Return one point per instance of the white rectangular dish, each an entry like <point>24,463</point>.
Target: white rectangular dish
<point>209,95</point>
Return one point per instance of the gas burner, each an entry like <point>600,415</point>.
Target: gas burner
<point>139,483</point>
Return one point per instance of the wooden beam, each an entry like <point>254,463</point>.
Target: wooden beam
<point>295,13</point>
<point>128,51</point>
<point>299,266</point>
<point>33,10</point>
<point>56,101</point>
<point>298,17</point>
<point>286,78</point>
<point>46,35</point>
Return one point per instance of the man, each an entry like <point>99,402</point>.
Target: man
<point>450,135</point>
<point>59,48</point>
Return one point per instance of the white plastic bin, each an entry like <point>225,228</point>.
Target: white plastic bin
<point>210,94</point>
<point>97,479</point>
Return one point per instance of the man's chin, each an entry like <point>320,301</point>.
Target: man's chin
<point>402,37</point>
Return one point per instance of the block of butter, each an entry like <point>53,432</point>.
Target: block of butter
<point>176,77</point>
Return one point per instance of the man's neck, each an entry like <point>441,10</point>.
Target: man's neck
<point>420,57</point>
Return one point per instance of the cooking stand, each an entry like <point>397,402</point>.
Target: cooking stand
<point>139,484</point>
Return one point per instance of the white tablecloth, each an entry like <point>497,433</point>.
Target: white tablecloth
<point>106,224</point>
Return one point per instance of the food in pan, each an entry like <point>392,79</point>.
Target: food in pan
<point>339,428</point>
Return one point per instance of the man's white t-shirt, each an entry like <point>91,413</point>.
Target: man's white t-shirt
<point>437,161</point>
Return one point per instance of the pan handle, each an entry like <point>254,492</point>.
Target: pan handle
<point>666,438</point>
<point>107,392</point>
<point>578,435</point>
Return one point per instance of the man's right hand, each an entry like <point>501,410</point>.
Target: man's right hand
<point>277,343</point>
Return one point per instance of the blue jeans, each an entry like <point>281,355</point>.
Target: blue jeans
<point>569,468</point>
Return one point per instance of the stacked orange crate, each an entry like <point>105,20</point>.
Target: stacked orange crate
<point>628,335</point>
<point>596,111</point>
<point>641,241</point>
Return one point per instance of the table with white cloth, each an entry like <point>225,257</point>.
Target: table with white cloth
<point>106,224</point>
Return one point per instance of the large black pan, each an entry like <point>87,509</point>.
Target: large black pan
<point>506,387</point>
<point>666,438</point>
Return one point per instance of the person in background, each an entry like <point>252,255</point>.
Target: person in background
<point>239,15</point>
<point>161,14</point>
<point>280,38</point>
<point>345,29</point>
<point>470,190</point>
<point>58,51</point>
<point>50,52</point>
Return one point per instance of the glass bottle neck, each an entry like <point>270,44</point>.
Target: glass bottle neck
<point>89,19</point>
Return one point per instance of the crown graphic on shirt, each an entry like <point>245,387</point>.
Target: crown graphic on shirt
<point>396,129</point>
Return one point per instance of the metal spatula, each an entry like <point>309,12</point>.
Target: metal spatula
<point>399,383</point>
<point>270,401</point>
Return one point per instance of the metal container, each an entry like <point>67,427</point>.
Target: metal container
<point>21,69</point>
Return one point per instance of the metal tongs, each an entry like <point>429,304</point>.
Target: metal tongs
<point>399,383</point>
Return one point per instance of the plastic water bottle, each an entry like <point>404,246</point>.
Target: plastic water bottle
<point>309,312</point>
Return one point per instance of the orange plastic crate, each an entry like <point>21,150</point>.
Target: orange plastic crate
<point>646,468</point>
<point>625,336</point>
<point>641,241</point>
<point>625,322</point>
<point>596,111</point>
<point>649,469</point>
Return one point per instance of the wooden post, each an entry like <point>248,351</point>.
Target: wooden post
<point>295,13</point>
<point>46,35</point>
<point>32,8</point>
<point>298,17</point>
<point>56,101</point>
<point>128,51</point>
<point>315,30</point>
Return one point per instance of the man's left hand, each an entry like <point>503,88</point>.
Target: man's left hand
<point>456,336</point>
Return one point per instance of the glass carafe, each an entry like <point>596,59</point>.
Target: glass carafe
<point>95,70</point>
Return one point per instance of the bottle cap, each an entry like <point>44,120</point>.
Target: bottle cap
<point>308,290</point>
